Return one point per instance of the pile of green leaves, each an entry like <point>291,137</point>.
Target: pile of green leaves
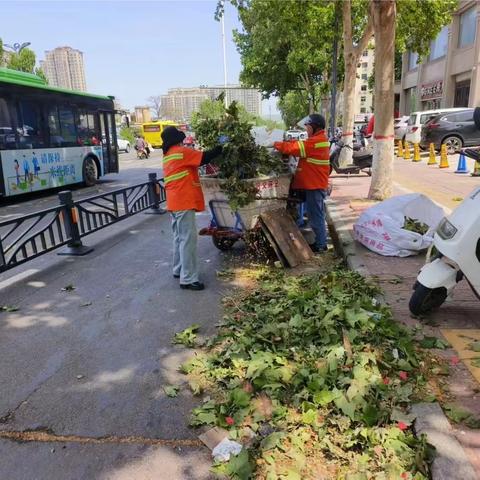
<point>242,158</point>
<point>417,226</point>
<point>315,377</point>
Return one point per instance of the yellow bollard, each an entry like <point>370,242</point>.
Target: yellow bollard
<point>443,157</point>
<point>416,153</point>
<point>432,159</point>
<point>476,169</point>
<point>400,149</point>
<point>407,155</point>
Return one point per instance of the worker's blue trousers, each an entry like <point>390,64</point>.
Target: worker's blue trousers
<point>315,200</point>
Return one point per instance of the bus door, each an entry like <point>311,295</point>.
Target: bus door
<point>109,142</point>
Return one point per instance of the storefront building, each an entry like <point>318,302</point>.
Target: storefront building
<point>450,76</point>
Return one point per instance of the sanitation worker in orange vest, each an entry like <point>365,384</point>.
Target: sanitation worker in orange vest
<point>184,199</point>
<point>312,174</point>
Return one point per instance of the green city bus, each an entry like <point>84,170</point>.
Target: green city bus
<point>52,137</point>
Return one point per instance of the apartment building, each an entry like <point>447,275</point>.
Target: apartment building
<point>363,95</point>
<point>180,103</point>
<point>450,76</point>
<point>64,68</point>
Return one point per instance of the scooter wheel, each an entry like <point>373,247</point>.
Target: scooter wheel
<point>424,299</point>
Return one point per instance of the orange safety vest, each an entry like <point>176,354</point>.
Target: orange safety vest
<point>182,183</point>
<point>314,165</point>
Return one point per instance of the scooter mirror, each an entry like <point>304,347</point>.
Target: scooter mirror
<point>476,117</point>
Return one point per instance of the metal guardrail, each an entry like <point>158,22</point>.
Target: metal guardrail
<point>29,236</point>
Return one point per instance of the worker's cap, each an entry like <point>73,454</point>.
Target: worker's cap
<point>171,136</point>
<point>316,119</point>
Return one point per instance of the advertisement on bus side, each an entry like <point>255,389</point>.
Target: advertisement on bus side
<point>32,170</point>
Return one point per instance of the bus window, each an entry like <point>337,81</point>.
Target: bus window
<point>56,139</point>
<point>7,125</point>
<point>30,132</point>
<point>67,127</point>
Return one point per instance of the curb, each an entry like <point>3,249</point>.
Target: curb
<point>451,461</point>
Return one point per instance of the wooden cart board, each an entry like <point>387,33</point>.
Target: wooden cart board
<point>273,244</point>
<point>287,237</point>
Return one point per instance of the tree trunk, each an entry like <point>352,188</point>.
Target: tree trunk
<point>384,12</point>
<point>351,54</point>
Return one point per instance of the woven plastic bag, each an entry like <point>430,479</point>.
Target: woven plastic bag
<point>380,228</point>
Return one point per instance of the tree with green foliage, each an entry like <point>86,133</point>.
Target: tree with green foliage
<point>409,25</point>
<point>24,61</point>
<point>286,46</point>
<point>293,106</point>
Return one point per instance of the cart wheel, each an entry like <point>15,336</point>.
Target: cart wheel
<point>424,299</point>
<point>223,243</point>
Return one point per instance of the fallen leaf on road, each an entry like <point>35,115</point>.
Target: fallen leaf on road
<point>79,377</point>
<point>68,288</point>
<point>8,308</point>
<point>457,199</point>
<point>86,304</point>
<point>171,390</point>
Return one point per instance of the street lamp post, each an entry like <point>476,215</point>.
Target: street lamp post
<point>224,54</point>
<point>17,47</point>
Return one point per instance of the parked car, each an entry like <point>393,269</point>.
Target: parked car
<point>400,125</point>
<point>295,135</point>
<point>456,130</point>
<point>418,119</point>
<point>123,145</point>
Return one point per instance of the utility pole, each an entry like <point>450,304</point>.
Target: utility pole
<point>333,105</point>
<point>224,54</point>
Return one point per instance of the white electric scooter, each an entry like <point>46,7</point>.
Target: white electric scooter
<point>457,241</point>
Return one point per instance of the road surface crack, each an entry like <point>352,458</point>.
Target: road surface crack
<point>47,436</point>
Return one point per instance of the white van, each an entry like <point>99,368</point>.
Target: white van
<point>418,119</point>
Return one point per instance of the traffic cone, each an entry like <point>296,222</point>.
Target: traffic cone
<point>462,164</point>
<point>476,169</point>
<point>400,149</point>
<point>407,155</point>
<point>443,157</point>
<point>416,153</point>
<point>432,159</point>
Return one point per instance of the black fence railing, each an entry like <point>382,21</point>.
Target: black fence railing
<point>29,236</point>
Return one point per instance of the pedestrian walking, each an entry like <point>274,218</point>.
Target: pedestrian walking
<point>312,174</point>
<point>184,199</point>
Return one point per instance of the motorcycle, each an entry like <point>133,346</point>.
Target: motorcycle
<point>142,153</point>
<point>457,241</point>
<point>362,159</point>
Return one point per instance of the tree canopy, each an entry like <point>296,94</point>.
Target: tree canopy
<point>286,46</point>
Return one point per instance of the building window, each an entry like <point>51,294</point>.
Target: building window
<point>462,94</point>
<point>363,110</point>
<point>363,99</point>
<point>363,88</point>
<point>412,60</point>
<point>365,53</point>
<point>364,65</point>
<point>468,28</point>
<point>364,76</point>
<point>438,48</point>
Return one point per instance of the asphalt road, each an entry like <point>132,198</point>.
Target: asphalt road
<point>84,370</point>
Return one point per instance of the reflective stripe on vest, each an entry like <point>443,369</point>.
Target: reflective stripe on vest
<point>322,145</point>
<point>176,176</point>
<point>301,146</point>
<point>173,156</point>
<point>318,162</point>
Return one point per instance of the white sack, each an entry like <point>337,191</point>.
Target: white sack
<point>379,228</point>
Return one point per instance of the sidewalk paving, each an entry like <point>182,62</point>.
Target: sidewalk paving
<point>396,277</point>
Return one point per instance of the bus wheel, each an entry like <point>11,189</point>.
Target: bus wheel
<point>89,172</point>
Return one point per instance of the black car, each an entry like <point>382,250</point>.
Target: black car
<point>455,130</point>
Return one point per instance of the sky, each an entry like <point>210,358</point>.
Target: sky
<point>132,49</point>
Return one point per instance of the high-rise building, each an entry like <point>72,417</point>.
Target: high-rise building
<point>179,103</point>
<point>363,95</point>
<point>64,68</point>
